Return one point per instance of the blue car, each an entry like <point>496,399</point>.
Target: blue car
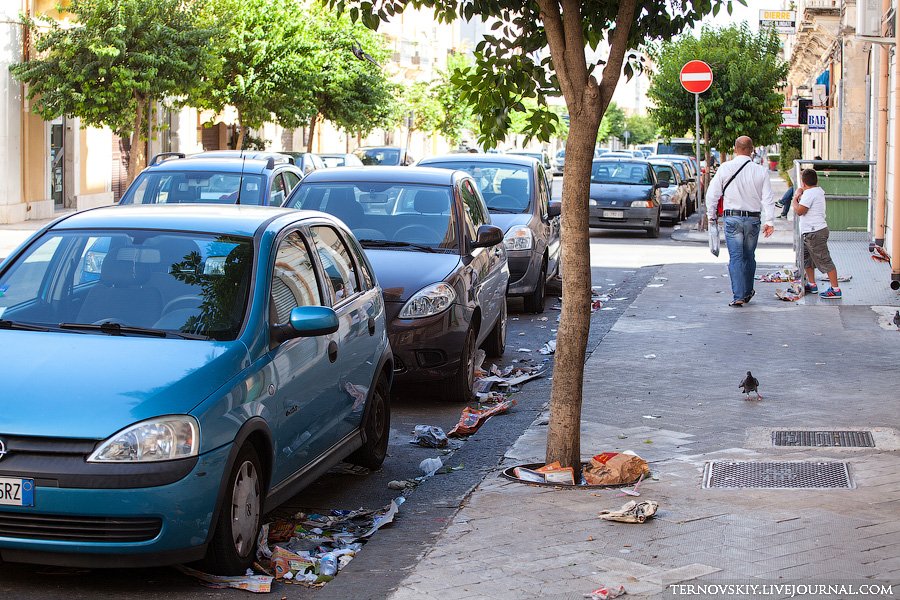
<point>225,358</point>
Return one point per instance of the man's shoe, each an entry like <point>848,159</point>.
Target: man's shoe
<point>749,297</point>
<point>811,289</point>
<point>779,204</point>
<point>831,294</point>
<point>736,303</point>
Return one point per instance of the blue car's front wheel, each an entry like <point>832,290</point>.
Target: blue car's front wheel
<point>233,546</point>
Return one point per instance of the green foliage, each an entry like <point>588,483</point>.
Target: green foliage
<point>643,129</point>
<point>121,56</point>
<point>613,123</point>
<point>435,104</point>
<point>791,141</point>
<point>747,71</point>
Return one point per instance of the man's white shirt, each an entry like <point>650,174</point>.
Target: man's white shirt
<point>751,190</point>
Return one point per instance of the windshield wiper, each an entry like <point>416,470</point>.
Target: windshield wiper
<point>394,244</point>
<point>505,211</point>
<point>21,326</point>
<point>113,328</point>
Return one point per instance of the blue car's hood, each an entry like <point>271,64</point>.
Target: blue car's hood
<point>402,273</point>
<point>90,386</point>
<point>505,220</point>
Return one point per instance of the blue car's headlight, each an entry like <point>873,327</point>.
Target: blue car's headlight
<point>163,438</point>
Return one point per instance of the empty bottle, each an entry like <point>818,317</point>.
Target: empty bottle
<point>328,565</point>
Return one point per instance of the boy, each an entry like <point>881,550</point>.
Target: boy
<point>811,213</point>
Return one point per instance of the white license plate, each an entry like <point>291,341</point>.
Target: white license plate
<point>613,214</point>
<point>16,492</point>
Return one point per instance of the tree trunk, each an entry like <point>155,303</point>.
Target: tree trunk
<point>312,132</point>
<point>137,155</point>
<point>564,431</point>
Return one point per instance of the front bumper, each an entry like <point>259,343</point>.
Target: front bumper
<point>97,528</point>
<point>632,218</point>
<point>669,211</point>
<point>524,271</point>
<point>427,349</point>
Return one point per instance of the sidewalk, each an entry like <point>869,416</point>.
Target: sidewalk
<point>827,367</point>
<point>11,235</point>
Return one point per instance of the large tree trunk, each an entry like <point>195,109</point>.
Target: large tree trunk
<point>312,132</point>
<point>137,155</point>
<point>564,431</point>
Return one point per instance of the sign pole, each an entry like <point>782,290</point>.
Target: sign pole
<point>697,145</point>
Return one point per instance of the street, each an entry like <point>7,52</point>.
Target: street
<point>622,264</point>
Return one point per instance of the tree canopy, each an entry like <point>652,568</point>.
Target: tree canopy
<point>642,129</point>
<point>613,123</point>
<point>120,58</point>
<point>743,99</point>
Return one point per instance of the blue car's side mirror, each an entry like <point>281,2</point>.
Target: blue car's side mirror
<point>307,321</point>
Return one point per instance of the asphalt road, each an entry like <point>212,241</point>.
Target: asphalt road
<point>382,563</point>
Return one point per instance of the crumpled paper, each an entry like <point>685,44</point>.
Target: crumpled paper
<point>631,512</point>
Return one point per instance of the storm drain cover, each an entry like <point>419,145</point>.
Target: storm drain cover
<point>776,475</point>
<point>820,439</point>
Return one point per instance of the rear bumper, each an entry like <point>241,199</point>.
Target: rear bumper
<point>632,218</point>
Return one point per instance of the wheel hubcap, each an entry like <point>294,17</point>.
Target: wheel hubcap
<point>245,504</point>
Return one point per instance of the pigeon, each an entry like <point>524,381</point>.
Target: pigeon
<point>897,319</point>
<point>750,384</point>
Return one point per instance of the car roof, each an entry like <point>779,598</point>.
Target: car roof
<point>206,163</point>
<point>208,218</point>
<point>509,158</point>
<point>628,159</point>
<point>382,174</point>
<point>379,148</point>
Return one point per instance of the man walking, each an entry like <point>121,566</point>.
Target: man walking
<point>748,200</point>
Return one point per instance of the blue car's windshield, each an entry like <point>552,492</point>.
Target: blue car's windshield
<point>421,215</point>
<point>193,187</point>
<point>622,173</point>
<point>166,281</point>
<point>378,156</point>
<point>506,188</point>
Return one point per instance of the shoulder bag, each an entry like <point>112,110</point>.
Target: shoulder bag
<point>720,210</point>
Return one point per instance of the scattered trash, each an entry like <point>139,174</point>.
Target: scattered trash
<point>842,278</point>
<point>672,317</point>
<point>430,466</point>
<point>793,293</point>
<point>622,436</point>
<point>473,418</point>
<point>615,468</point>
<point>655,284</point>
<point>649,356</point>
<point>258,584</point>
<point>603,593</point>
<point>548,348</point>
<point>710,277</point>
<point>524,350</point>
<point>631,512</point>
<point>549,473</point>
<point>783,275</point>
<point>653,416</point>
<point>634,491</point>
<point>661,278</point>
<point>542,319</point>
<point>400,485</point>
<point>429,436</point>
<point>879,254</point>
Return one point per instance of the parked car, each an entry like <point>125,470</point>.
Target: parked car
<point>340,160</point>
<point>517,193</point>
<point>243,353</point>
<point>383,156</point>
<point>618,154</point>
<point>625,194</point>
<point>674,200</point>
<point>439,258</point>
<point>306,161</point>
<point>540,156</point>
<point>692,165</point>
<point>560,162</point>
<point>220,177</point>
<point>598,152</point>
<point>689,168</point>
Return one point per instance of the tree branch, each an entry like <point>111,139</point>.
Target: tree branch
<point>613,69</point>
<point>573,29</point>
<point>556,39</point>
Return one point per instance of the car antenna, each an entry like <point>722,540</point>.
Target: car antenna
<point>241,182</point>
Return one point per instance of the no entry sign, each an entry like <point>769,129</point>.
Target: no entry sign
<point>696,76</point>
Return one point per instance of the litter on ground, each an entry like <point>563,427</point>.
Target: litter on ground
<point>258,584</point>
<point>615,468</point>
<point>429,436</point>
<point>631,512</point>
<point>604,593</point>
<point>783,275</point>
<point>793,293</point>
<point>472,419</point>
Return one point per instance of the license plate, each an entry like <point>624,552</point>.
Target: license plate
<point>16,492</point>
<point>613,214</point>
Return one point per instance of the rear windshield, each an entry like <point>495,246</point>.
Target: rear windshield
<point>627,173</point>
<point>683,148</point>
<point>506,188</point>
<point>664,173</point>
<point>193,187</point>
<point>411,214</point>
<point>378,156</point>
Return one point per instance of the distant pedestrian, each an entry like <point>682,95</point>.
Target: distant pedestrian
<point>785,203</point>
<point>809,206</point>
<point>748,201</point>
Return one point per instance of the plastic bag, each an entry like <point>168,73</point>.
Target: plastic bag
<point>714,238</point>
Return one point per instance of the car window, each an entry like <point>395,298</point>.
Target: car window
<point>293,279</point>
<point>192,187</point>
<point>413,215</point>
<point>624,173</point>
<point>337,263</point>
<point>505,187</point>
<point>378,156</point>
<point>664,173</point>
<point>544,195</point>
<point>277,193</point>
<point>291,180</point>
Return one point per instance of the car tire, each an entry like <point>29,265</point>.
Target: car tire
<point>377,428</point>
<point>653,232</point>
<point>232,548</point>
<point>495,344</point>
<point>534,302</point>
<point>459,386</point>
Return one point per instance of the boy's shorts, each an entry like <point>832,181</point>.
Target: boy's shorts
<point>815,251</point>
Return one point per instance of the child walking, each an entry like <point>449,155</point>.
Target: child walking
<point>809,206</point>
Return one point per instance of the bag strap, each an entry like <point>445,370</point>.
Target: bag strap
<point>735,175</point>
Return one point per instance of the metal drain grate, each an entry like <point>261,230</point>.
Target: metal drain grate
<point>775,475</point>
<point>820,439</point>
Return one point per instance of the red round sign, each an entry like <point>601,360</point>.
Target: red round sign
<point>696,76</point>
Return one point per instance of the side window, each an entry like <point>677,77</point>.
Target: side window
<point>365,276</point>
<point>293,279</point>
<point>277,193</point>
<point>474,205</point>
<point>544,194</point>
<point>291,180</point>
<point>337,262</point>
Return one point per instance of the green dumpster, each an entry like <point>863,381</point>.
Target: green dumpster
<point>847,196</point>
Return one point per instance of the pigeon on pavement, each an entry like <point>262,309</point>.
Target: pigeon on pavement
<point>897,319</point>
<point>750,384</point>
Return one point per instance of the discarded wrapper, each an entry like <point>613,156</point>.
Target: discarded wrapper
<point>793,293</point>
<point>285,562</point>
<point>258,584</point>
<point>429,436</point>
<point>548,348</point>
<point>473,418</point>
<point>631,512</point>
<point>615,468</point>
<point>430,466</point>
<point>604,592</point>
<point>783,275</point>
